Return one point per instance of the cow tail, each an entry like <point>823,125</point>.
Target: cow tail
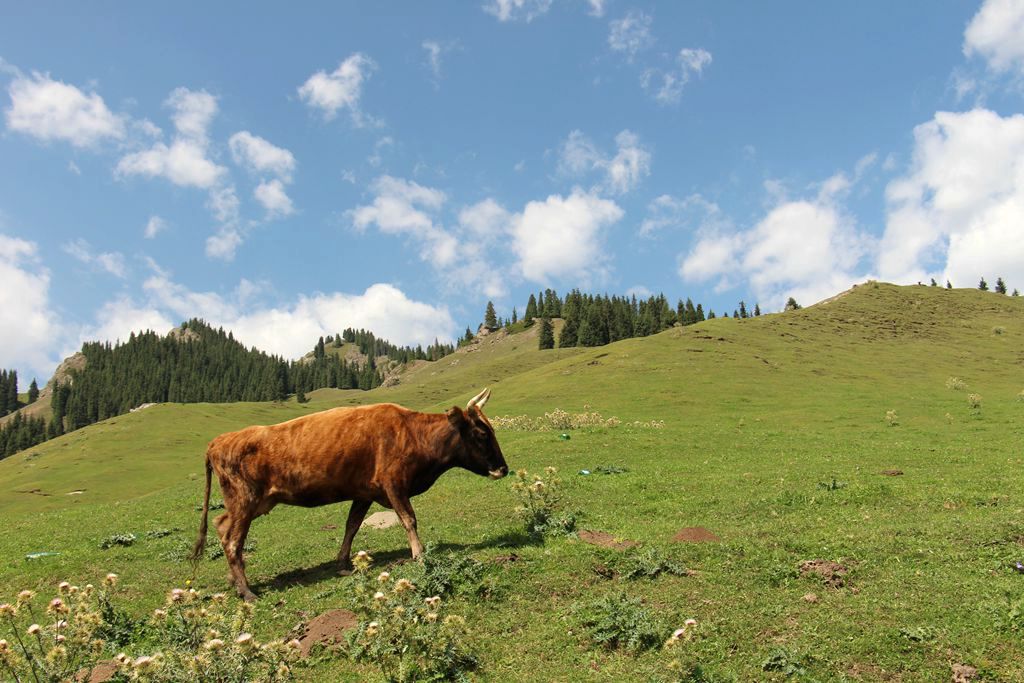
<point>200,547</point>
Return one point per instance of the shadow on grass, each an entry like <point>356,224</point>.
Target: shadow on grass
<point>306,576</point>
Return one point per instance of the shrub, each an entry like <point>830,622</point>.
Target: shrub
<point>540,504</point>
<point>123,540</point>
<point>956,384</point>
<point>891,418</point>
<point>1020,396</point>
<point>618,621</point>
<point>974,401</point>
<point>405,634</point>
<point>447,573</point>
<point>998,329</point>
<point>648,563</point>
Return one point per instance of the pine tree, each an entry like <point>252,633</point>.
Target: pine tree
<point>531,310</point>
<point>300,396</point>
<point>983,286</point>
<point>1000,286</point>
<point>490,319</point>
<point>743,309</point>
<point>546,338</point>
<point>757,310</point>
<point>934,283</point>
<point>12,390</point>
<point>33,391</point>
<point>1015,292</point>
<point>515,316</point>
<point>711,314</point>
<point>791,305</point>
<point>948,285</point>
<point>700,313</point>
<point>319,352</point>
<point>735,314</point>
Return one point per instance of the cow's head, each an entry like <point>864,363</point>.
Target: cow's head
<point>480,452</point>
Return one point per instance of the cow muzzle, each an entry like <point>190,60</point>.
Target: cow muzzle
<point>498,473</point>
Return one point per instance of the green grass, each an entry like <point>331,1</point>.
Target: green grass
<point>758,413</point>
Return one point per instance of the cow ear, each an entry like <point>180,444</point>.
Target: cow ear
<point>455,415</point>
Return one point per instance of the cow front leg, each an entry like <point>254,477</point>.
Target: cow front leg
<point>403,508</point>
<point>356,514</point>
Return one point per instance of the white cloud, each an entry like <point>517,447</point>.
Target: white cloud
<point>288,330</point>
<point>73,167</point>
<point>434,52</point>
<point>154,226</point>
<point>376,158</point>
<point>110,262</point>
<point>596,8</point>
<point>274,199</point>
<point>53,110</point>
<point>517,10</point>
<point>340,89</point>
<point>25,308</point>
<point>224,243</point>
<point>621,173</point>
<point>639,291</point>
<point>807,248</point>
<point>667,86</point>
<point>666,211</point>
<point>631,34</point>
<point>997,34</point>
<point>485,220</point>
<point>958,213</point>
<point>185,162</point>
<point>404,207</point>
<point>261,157</point>
<point>561,237</point>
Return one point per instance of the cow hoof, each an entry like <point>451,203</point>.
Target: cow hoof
<point>346,571</point>
<point>248,596</point>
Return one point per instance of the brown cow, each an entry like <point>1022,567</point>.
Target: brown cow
<point>382,454</point>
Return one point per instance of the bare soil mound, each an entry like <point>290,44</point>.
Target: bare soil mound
<point>962,673</point>
<point>695,534</point>
<point>606,540</point>
<point>328,629</point>
<point>832,574</point>
<point>892,473</point>
<point>101,673</point>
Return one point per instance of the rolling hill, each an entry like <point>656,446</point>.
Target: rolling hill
<point>833,432</point>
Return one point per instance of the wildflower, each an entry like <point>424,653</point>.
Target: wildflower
<point>97,646</point>
<point>378,596</point>
<point>61,624</point>
<point>550,470</point>
<point>362,560</point>
<point>56,606</point>
<point>433,602</point>
<point>294,644</point>
<point>34,630</point>
<point>177,595</point>
<point>60,638</point>
<point>431,617</point>
<point>244,639</point>
<point>454,619</point>
<point>690,622</point>
<point>121,658</point>
<point>218,598</point>
<point>73,590</point>
<point>537,485</point>
<point>110,580</point>
<point>56,654</point>
<point>64,587</point>
<point>403,585</point>
<point>7,610</point>
<point>4,645</point>
<point>383,577</point>
<point>283,670</point>
<point>372,628</point>
<point>399,611</point>
<point>159,613</point>
<point>25,596</point>
<point>214,644</point>
<point>188,582</point>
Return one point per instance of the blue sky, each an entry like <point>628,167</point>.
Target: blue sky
<point>288,173</point>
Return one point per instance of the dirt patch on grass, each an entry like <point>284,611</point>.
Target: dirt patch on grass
<point>606,540</point>
<point>962,673</point>
<point>832,574</point>
<point>893,473</point>
<point>381,520</point>
<point>695,534</point>
<point>100,673</point>
<point>329,527</point>
<point>507,559</point>
<point>871,672</point>
<point>327,629</point>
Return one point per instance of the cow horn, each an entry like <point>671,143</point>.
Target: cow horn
<point>479,400</point>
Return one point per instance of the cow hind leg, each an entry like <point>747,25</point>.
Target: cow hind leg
<point>356,514</point>
<point>223,524</point>
<point>233,551</point>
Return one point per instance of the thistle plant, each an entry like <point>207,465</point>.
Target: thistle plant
<point>891,418</point>
<point>540,504</point>
<point>406,634</point>
<point>974,401</point>
<point>956,384</point>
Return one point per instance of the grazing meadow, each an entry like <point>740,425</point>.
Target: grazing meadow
<point>831,493</point>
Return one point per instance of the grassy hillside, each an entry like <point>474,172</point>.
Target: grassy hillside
<point>775,438</point>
